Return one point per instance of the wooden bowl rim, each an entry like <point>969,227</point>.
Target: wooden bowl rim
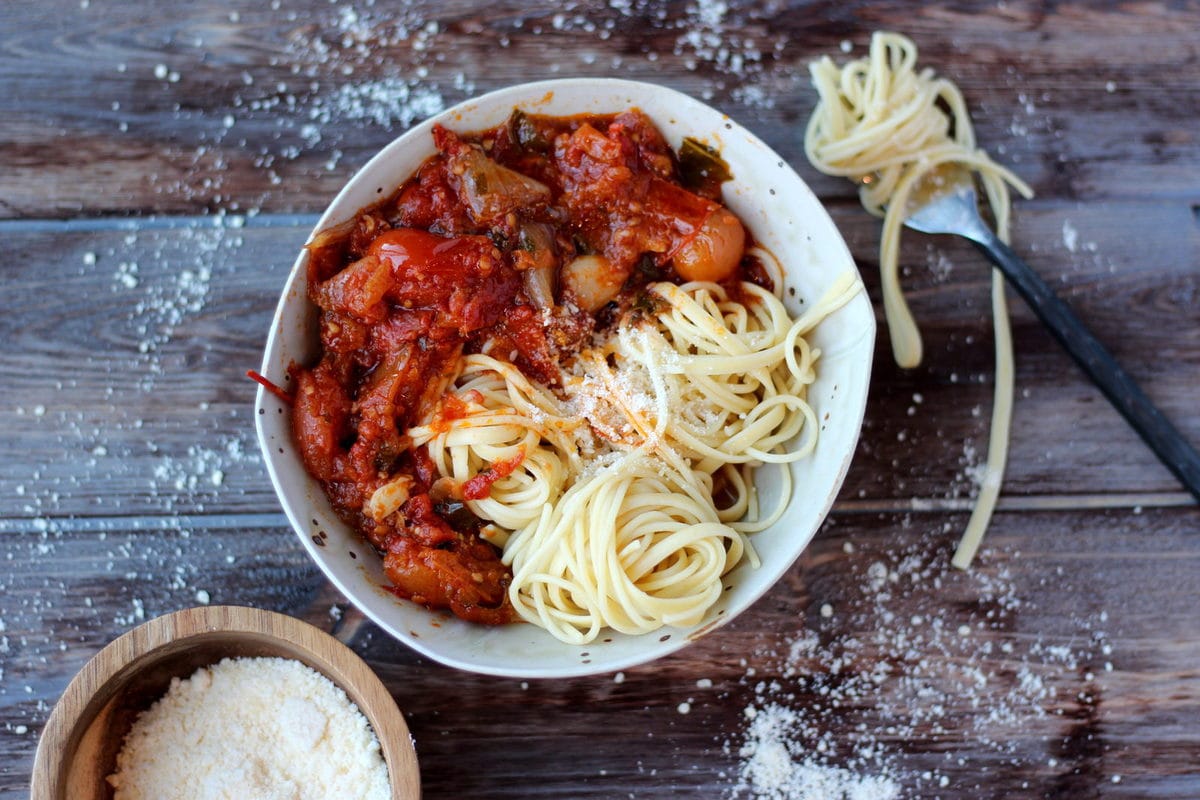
<point>107,672</point>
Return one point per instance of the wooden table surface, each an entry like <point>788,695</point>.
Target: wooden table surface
<point>161,164</point>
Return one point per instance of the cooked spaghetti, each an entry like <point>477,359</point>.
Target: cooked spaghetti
<point>608,521</point>
<point>548,371</point>
<point>887,126</point>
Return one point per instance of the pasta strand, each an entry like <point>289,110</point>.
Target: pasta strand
<point>881,123</point>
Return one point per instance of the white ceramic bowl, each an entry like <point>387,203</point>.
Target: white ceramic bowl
<point>782,213</point>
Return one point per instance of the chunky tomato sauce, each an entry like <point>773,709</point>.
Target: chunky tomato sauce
<point>522,239</point>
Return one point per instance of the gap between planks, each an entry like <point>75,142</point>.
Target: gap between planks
<point>1030,503</point>
<point>196,522</point>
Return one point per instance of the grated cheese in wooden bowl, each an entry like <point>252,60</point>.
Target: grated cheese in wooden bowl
<point>251,729</point>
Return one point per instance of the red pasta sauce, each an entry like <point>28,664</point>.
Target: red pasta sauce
<point>524,239</point>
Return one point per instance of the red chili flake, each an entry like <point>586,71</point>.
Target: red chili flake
<point>269,385</point>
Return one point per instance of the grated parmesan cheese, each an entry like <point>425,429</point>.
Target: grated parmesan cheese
<point>251,729</point>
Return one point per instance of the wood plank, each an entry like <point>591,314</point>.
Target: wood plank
<point>1067,658</point>
<point>125,379</point>
<point>157,110</point>
<point>128,391</point>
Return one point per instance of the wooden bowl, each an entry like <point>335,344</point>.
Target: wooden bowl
<point>79,745</point>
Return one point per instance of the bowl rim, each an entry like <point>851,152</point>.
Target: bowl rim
<point>533,95</point>
<point>107,672</point>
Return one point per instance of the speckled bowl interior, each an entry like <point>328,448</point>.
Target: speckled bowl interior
<point>782,213</point>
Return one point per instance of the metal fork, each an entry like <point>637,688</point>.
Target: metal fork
<point>946,203</point>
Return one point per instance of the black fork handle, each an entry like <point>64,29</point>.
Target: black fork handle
<point>1116,384</point>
